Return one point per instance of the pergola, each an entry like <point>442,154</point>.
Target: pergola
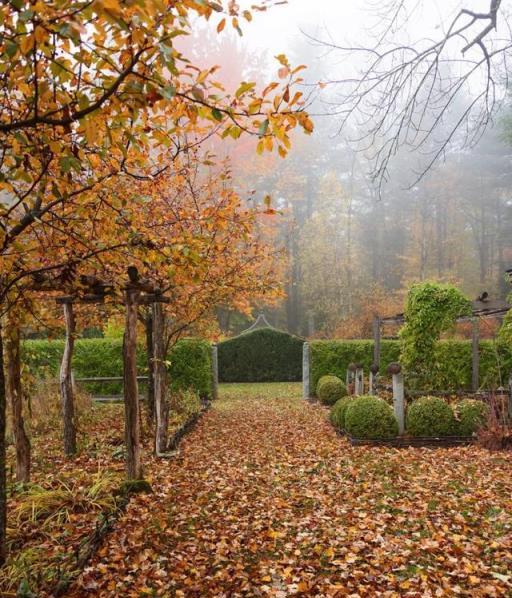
<point>483,307</point>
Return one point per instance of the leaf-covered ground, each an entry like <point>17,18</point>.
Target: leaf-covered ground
<point>265,499</point>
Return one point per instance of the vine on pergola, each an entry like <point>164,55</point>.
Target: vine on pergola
<point>431,309</point>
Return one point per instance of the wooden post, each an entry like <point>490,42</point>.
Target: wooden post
<point>131,391</point>
<point>376,340</point>
<point>510,397</point>
<point>374,374</point>
<point>351,374</point>
<point>398,395</point>
<point>215,372</point>
<point>160,379</point>
<point>306,390</point>
<point>14,392</point>
<point>66,383</point>
<point>151,376</point>
<point>359,380</point>
<point>475,355</point>
<point>3,476</point>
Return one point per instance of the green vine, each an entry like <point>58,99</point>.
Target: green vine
<point>431,309</point>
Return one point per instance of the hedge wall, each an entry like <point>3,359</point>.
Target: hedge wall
<point>264,355</point>
<point>189,362</point>
<point>453,361</point>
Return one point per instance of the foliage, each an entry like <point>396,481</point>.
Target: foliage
<point>430,416</point>
<point>370,417</point>
<point>338,411</point>
<point>333,357</point>
<point>189,362</point>
<point>184,403</point>
<point>284,461</point>
<point>330,389</point>
<point>430,310</point>
<point>471,415</point>
<point>262,355</point>
<point>190,367</point>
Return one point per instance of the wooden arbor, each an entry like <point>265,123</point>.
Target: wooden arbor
<point>137,291</point>
<point>483,307</point>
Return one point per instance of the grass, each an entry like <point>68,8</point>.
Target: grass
<point>260,390</point>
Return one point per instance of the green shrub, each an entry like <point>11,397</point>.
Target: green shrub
<point>190,363</point>
<point>370,417</point>
<point>190,366</point>
<point>264,355</point>
<point>452,357</point>
<point>330,389</point>
<point>430,416</point>
<point>472,415</point>
<point>338,411</point>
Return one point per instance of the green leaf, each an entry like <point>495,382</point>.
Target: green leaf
<point>263,127</point>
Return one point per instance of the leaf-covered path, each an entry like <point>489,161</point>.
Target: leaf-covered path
<point>266,500</point>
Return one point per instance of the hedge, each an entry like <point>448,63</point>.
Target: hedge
<point>264,355</point>
<point>370,418</point>
<point>189,362</point>
<point>453,359</point>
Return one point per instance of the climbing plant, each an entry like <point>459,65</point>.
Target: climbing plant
<point>431,309</point>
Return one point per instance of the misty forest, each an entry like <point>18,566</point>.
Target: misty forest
<point>255,298</point>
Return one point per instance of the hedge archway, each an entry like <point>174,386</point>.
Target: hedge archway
<point>262,355</point>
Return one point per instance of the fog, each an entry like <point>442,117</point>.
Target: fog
<point>356,238</point>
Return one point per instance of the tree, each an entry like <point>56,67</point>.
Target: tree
<point>405,91</point>
<point>93,91</point>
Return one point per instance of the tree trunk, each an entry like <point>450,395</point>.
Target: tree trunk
<point>15,396</point>
<point>3,480</point>
<point>151,370</point>
<point>66,383</point>
<point>131,391</point>
<point>160,373</point>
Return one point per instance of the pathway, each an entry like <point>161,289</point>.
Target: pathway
<point>266,500</point>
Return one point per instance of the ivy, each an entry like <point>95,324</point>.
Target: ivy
<point>431,309</point>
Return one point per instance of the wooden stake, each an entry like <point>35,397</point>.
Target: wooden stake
<point>475,355</point>
<point>131,391</point>
<point>14,392</point>
<point>160,379</point>
<point>66,383</point>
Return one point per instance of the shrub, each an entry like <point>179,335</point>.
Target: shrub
<point>190,367</point>
<point>330,389</point>
<point>184,404</point>
<point>190,363</point>
<point>472,415</point>
<point>431,416</point>
<point>453,361</point>
<point>264,355</point>
<point>338,412</point>
<point>370,417</point>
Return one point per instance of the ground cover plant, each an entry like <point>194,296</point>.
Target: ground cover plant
<point>267,500</point>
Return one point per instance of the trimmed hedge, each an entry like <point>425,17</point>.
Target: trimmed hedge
<point>330,389</point>
<point>431,416</point>
<point>453,358</point>
<point>338,412</point>
<point>189,362</point>
<point>369,417</point>
<point>471,415</point>
<point>264,355</point>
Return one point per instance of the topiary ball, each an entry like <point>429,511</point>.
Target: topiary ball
<point>338,412</point>
<point>472,415</point>
<point>370,417</point>
<point>430,416</point>
<point>330,389</point>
